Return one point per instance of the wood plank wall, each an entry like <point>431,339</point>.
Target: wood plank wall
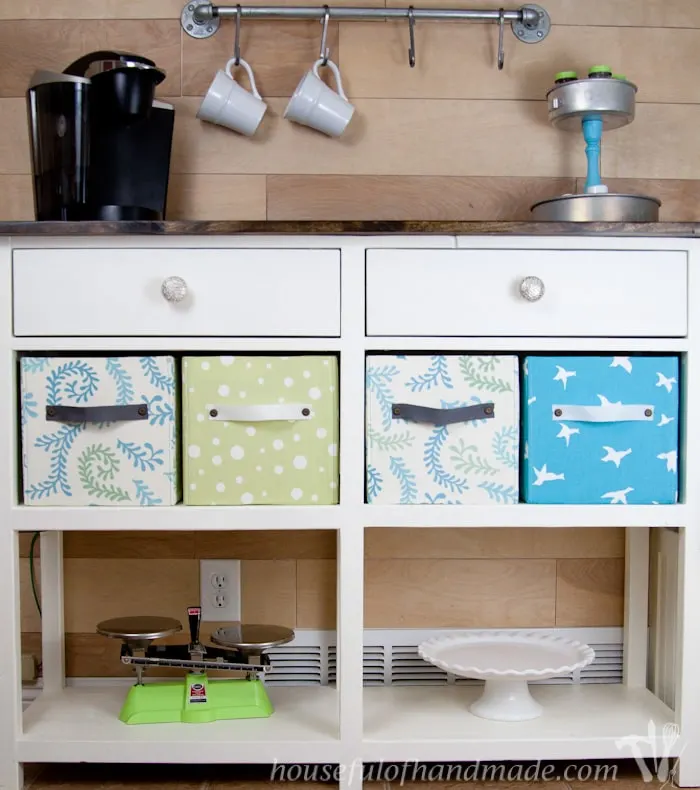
<point>451,139</point>
<point>415,578</point>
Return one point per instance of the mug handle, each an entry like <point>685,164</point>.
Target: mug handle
<point>336,73</point>
<point>246,66</point>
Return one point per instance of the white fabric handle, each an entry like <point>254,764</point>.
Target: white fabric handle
<point>264,412</point>
<point>612,412</point>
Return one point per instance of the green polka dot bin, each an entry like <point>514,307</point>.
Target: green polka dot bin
<point>260,430</point>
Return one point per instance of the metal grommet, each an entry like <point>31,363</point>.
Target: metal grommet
<point>142,411</point>
<point>50,411</point>
<point>396,411</point>
<point>648,412</point>
<point>305,412</point>
<point>214,413</point>
<point>488,410</point>
<point>558,412</point>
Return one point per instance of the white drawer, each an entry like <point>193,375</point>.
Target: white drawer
<point>230,292</point>
<point>477,292</point>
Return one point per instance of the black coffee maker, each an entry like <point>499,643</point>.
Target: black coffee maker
<point>100,141</point>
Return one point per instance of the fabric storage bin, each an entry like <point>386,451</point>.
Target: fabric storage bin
<point>99,431</point>
<point>260,430</point>
<point>442,429</point>
<point>601,430</point>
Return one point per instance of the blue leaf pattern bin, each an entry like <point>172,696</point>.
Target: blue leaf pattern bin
<point>124,463</point>
<point>469,462</point>
<point>601,430</point>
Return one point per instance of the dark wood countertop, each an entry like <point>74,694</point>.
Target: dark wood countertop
<point>223,228</point>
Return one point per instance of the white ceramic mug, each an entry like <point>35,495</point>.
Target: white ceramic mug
<point>228,104</point>
<point>316,105</point>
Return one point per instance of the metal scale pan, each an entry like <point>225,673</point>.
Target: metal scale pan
<point>139,631</point>
<point>252,639</point>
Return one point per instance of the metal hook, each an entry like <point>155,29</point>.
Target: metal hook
<point>501,23</point>
<point>325,51</point>
<point>412,47</point>
<point>237,43</point>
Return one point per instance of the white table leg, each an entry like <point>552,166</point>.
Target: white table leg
<point>11,773</point>
<point>636,606</point>
<point>687,693</point>
<point>52,628</point>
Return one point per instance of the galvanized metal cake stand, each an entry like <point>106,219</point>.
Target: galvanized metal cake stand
<point>594,105</point>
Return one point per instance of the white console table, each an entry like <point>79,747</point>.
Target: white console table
<point>101,293</point>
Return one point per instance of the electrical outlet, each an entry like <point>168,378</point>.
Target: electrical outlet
<point>220,590</point>
<point>219,581</point>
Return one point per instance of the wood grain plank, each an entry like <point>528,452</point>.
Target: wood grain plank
<point>102,229</point>
<point>126,9</point>
<point>590,592</point>
<point>277,68</point>
<point>16,198</point>
<point>98,589</point>
<point>90,655</point>
<point>417,137</point>
<point>374,61</point>
<point>90,9</point>
<point>637,151</point>
<point>31,643</point>
<point>460,593</point>
<point>129,545</point>
<point>266,545</point>
<point>648,13</point>
<point>14,138</point>
<point>30,620</point>
<point>316,594</point>
<point>407,197</point>
<point>268,592</point>
<point>494,544</point>
<point>192,196</point>
<point>27,45</point>
<point>392,137</point>
<point>680,200</point>
<point>25,540</point>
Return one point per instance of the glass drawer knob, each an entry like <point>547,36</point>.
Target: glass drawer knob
<point>174,289</point>
<point>532,289</point>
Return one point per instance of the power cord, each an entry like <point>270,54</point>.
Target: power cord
<point>32,574</point>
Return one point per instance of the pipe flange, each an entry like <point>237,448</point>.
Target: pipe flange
<point>532,32</point>
<point>196,24</point>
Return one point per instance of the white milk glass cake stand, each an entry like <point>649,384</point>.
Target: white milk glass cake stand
<point>506,660</point>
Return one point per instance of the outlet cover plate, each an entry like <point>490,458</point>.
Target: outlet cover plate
<point>220,579</point>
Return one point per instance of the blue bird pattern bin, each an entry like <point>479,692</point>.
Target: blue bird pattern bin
<point>442,429</point>
<point>600,430</point>
<point>99,431</point>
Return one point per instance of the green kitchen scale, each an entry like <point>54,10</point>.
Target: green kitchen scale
<point>196,699</point>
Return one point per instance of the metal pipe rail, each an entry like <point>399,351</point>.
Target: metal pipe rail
<point>201,19</point>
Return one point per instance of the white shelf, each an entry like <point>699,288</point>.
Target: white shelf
<point>82,725</point>
<point>579,722</point>
<point>524,515</point>
<point>524,345</point>
<point>221,518</point>
<point>176,518</point>
<point>188,345</point>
